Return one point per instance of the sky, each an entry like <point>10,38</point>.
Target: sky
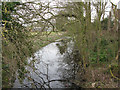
<point>115,1</point>
<point>93,12</point>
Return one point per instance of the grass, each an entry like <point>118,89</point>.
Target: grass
<point>40,40</point>
<point>10,63</point>
<point>97,74</point>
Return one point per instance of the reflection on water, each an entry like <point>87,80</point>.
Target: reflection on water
<point>53,66</point>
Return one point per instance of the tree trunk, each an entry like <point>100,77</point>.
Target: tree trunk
<point>109,21</point>
<point>119,46</point>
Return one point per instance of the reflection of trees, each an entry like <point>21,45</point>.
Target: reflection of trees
<point>68,72</point>
<point>71,63</point>
<point>42,81</point>
<point>62,47</point>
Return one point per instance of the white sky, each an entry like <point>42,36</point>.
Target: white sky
<point>93,12</point>
<point>115,1</point>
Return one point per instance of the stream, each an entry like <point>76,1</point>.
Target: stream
<point>52,66</point>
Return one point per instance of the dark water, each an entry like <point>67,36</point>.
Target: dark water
<point>52,66</point>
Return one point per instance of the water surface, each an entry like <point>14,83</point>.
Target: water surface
<point>51,67</point>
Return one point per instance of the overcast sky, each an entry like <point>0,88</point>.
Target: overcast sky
<point>93,11</point>
<point>115,1</point>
